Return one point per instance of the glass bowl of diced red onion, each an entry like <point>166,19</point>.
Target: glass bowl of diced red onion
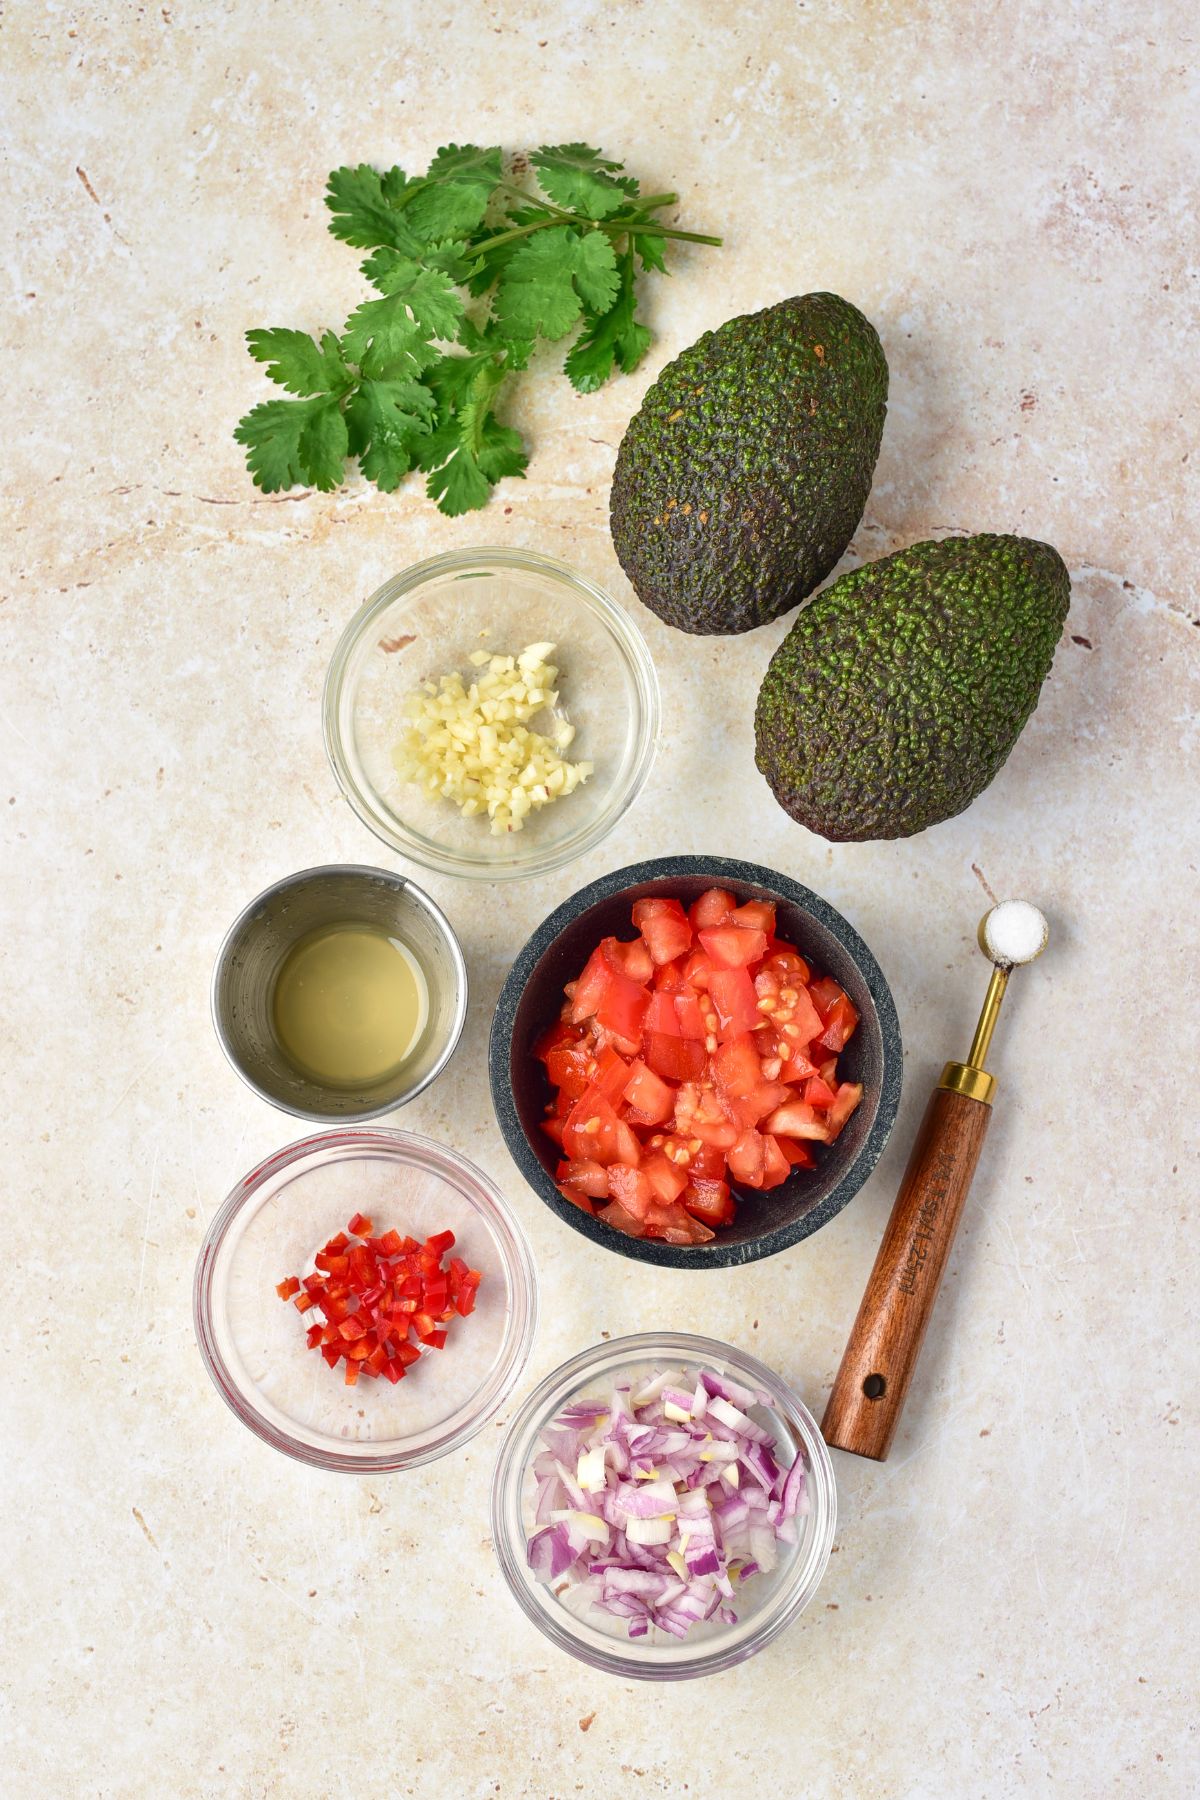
<point>663,1506</point>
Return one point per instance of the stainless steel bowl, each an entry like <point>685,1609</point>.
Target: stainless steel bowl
<point>256,945</point>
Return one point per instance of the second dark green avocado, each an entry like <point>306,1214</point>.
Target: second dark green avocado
<point>743,477</point>
<point>900,690</point>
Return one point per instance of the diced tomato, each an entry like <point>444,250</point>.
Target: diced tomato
<point>763,1099</point>
<point>662,1017</point>
<point>799,1156</point>
<point>737,1068</point>
<point>839,1024</point>
<point>730,947</point>
<point>708,1163</point>
<point>712,908</point>
<point>631,1189</point>
<point>696,971</point>
<point>553,1129</point>
<point>594,1132</point>
<point>591,987</point>
<point>797,1068</point>
<point>665,928</point>
<point>623,1006</point>
<point>567,1068</point>
<point>576,1198</point>
<point>667,1179</point>
<point>798,1121</point>
<point>818,1093</point>
<point>746,1159</point>
<point>786,961</point>
<point>776,1167</point>
<point>755,915</point>
<point>674,1058</point>
<point>848,1096</point>
<point>690,1017</point>
<point>710,1201</point>
<point>825,993</point>
<point>620,1220</point>
<point>733,996</point>
<point>676,1225</point>
<point>803,1015</point>
<point>650,1094</point>
<point>590,1178</point>
<point>632,960</point>
<point>609,1077</point>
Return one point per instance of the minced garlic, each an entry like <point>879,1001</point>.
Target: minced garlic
<point>473,744</point>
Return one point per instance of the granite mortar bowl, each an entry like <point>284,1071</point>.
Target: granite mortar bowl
<point>555,954</point>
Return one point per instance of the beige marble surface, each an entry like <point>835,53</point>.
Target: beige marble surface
<point>1009,191</point>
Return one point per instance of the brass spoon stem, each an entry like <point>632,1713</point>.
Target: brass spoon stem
<point>971,1078</point>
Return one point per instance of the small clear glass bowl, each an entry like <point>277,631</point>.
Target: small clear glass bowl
<point>253,1343</point>
<point>425,623</point>
<point>765,1605</point>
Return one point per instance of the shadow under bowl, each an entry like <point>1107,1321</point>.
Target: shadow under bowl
<point>532,996</point>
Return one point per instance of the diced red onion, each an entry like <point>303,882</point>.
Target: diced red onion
<point>649,1501</point>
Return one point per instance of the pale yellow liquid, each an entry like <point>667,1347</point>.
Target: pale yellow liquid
<point>349,1005</point>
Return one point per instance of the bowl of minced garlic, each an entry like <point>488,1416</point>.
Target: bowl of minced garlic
<point>491,713</point>
<point>478,745</point>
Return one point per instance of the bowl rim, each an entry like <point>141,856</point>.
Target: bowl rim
<point>399,883</point>
<point>717,1254</point>
<point>674,1661</point>
<point>383,823</point>
<point>412,1149</point>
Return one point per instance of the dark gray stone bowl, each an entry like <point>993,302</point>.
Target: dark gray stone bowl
<point>555,954</point>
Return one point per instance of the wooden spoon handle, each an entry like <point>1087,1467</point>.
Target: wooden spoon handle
<point>868,1395</point>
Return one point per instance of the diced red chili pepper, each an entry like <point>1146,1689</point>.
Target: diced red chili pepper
<point>373,1291</point>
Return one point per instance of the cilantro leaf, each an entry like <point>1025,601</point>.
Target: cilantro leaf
<point>490,263</point>
<point>288,441</point>
<point>650,247</point>
<point>323,446</point>
<point>581,179</point>
<point>364,206</point>
<point>596,271</point>
<point>614,336</point>
<point>453,196</point>
<point>299,364</point>
<point>391,336</point>
<point>386,420</point>
<point>544,286</point>
<point>470,450</point>
<point>427,293</point>
<point>464,482</point>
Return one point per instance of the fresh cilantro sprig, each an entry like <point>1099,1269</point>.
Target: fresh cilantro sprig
<point>470,266</point>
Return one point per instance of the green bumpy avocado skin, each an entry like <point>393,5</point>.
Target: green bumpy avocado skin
<point>743,477</point>
<point>899,691</point>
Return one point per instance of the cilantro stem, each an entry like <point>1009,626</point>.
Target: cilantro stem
<point>520,193</point>
<point>615,225</point>
<point>688,237</point>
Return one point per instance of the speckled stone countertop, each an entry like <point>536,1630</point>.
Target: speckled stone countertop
<point>1009,193</point>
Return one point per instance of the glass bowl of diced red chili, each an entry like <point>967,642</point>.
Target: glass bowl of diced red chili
<point>364,1300</point>
<point>696,1062</point>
